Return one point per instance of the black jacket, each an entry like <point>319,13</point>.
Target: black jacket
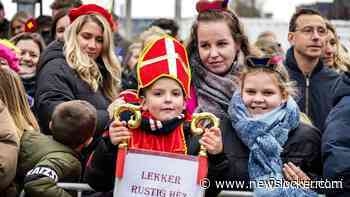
<point>100,170</point>
<point>29,85</point>
<point>5,29</point>
<point>320,83</point>
<point>303,148</point>
<point>336,138</point>
<point>57,82</point>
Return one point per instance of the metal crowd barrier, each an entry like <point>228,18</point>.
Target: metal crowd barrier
<point>78,187</point>
<point>235,194</point>
<point>81,187</point>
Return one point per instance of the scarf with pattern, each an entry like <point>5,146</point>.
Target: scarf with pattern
<point>265,136</point>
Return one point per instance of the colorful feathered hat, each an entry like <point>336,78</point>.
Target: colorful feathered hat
<point>10,45</point>
<point>164,57</point>
<point>91,9</point>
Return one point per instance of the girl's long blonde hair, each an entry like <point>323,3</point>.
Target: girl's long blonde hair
<point>14,96</point>
<point>86,67</point>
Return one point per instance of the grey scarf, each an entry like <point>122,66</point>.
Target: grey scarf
<point>214,92</point>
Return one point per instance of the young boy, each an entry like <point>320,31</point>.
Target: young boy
<point>164,85</point>
<point>44,161</point>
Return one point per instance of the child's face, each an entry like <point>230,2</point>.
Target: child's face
<point>261,93</point>
<point>164,99</point>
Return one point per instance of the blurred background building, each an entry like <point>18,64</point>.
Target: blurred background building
<point>136,15</point>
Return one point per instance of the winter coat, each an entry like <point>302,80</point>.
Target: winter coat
<point>9,147</point>
<point>42,163</point>
<point>314,90</point>
<point>303,148</point>
<point>336,139</point>
<point>57,82</point>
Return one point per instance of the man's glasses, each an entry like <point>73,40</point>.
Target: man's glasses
<point>309,31</point>
<point>266,62</point>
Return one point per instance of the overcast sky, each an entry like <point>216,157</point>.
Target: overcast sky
<point>281,9</point>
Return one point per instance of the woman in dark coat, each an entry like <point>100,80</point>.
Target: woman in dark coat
<point>83,67</point>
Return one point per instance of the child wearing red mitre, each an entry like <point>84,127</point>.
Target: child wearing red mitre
<point>164,86</point>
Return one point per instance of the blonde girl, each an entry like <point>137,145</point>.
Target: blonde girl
<point>266,119</point>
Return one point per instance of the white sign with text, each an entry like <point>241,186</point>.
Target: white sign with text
<point>158,174</point>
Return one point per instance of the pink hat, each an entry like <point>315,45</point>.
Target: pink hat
<point>10,57</point>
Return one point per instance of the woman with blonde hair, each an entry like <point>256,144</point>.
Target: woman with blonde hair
<point>13,95</point>
<point>9,133</point>
<point>334,56</point>
<point>83,67</point>
<point>15,119</point>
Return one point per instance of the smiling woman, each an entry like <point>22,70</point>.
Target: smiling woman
<point>31,45</point>
<point>83,67</point>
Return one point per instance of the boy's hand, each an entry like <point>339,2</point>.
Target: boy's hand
<point>212,141</point>
<point>118,132</point>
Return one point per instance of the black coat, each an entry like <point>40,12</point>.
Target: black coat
<point>336,139</point>
<point>321,81</point>
<point>5,29</point>
<point>57,82</point>
<point>303,148</point>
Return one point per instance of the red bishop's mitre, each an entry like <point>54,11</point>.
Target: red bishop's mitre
<point>165,57</point>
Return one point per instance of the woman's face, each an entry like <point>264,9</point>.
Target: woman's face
<point>90,39</point>
<point>216,46</point>
<point>330,50</point>
<point>29,57</point>
<point>18,27</point>
<point>61,25</point>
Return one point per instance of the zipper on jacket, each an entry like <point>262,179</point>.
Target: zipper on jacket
<point>307,78</point>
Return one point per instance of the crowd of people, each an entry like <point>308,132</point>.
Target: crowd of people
<point>283,114</point>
